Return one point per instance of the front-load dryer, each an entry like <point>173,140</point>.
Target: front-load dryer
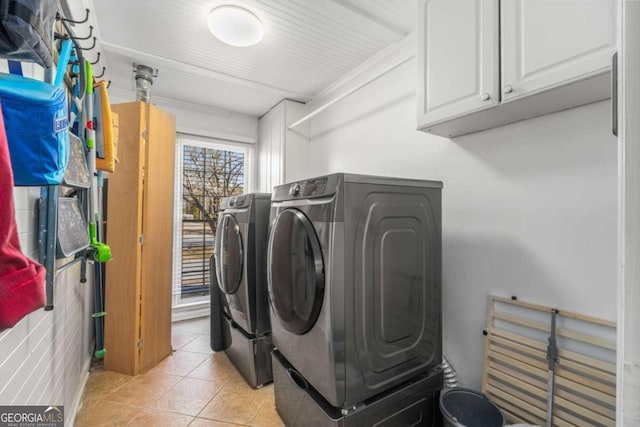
<point>240,250</point>
<point>354,274</point>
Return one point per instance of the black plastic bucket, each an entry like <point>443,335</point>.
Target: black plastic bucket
<point>462,407</point>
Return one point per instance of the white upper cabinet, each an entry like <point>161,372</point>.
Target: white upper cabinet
<point>547,43</point>
<point>460,39</point>
<point>485,63</point>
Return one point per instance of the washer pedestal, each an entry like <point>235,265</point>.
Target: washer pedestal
<point>251,355</point>
<point>412,404</point>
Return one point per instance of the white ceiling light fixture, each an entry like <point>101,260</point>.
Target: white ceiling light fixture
<point>235,26</point>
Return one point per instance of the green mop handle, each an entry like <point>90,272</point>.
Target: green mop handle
<point>102,251</point>
<point>90,135</point>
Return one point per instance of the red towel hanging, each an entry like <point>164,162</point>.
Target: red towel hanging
<point>21,279</point>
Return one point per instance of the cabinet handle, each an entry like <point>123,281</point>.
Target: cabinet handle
<point>508,89</point>
<point>485,97</point>
<point>614,94</point>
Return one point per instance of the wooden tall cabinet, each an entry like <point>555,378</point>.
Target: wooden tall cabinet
<point>140,233</point>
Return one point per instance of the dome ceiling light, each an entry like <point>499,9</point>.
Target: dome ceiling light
<point>235,26</point>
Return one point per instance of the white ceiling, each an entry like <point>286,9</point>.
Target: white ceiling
<point>308,45</point>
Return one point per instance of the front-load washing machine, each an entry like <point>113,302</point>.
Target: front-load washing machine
<point>240,246</point>
<point>354,274</point>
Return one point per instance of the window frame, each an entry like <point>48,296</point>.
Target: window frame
<point>194,307</point>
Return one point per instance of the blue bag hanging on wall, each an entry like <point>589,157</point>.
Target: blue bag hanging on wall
<point>36,121</point>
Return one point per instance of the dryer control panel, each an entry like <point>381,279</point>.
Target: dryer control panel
<point>309,188</point>
<point>316,186</point>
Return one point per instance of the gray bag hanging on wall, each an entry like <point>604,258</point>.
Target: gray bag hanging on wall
<point>25,30</point>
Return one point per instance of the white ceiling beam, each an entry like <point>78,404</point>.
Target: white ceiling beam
<point>129,94</point>
<point>373,17</point>
<point>162,62</point>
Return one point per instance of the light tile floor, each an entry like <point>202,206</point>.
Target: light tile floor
<point>194,387</point>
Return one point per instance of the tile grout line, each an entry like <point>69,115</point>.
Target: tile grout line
<point>258,411</point>
<point>160,411</point>
<point>195,337</point>
<point>198,365</point>
<point>213,397</point>
<point>153,407</point>
<point>206,403</point>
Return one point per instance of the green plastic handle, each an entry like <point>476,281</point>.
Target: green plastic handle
<point>92,234</point>
<point>89,74</point>
<point>101,251</point>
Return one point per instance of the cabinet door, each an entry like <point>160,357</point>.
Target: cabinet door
<point>277,145</point>
<point>458,46</point>
<point>296,144</point>
<point>157,249</point>
<point>271,148</point>
<point>264,154</point>
<point>124,211</point>
<point>550,43</point>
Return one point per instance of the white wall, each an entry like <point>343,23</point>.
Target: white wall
<point>45,358</point>
<point>529,209</point>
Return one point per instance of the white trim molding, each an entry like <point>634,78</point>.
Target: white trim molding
<point>404,49</point>
<point>191,312</point>
<point>628,351</point>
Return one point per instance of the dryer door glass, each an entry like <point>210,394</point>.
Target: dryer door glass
<point>296,271</point>
<point>229,255</point>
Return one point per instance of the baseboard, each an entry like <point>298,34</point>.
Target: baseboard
<point>71,411</point>
<point>177,316</point>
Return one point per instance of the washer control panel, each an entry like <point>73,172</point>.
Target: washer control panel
<point>235,202</point>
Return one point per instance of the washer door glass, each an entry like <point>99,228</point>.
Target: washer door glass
<point>295,271</point>
<point>229,255</point>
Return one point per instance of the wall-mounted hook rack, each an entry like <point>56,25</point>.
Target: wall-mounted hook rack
<point>88,48</point>
<point>85,38</point>
<point>59,36</point>
<point>71,21</point>
<point>97,60</point>
<point>97,76</point>
<point>108,84</point>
